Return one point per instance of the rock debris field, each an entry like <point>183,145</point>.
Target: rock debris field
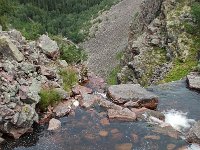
<point>111,37</point>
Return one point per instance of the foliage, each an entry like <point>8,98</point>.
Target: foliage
<point>69,77</point>
<point>119,55</point>
<point>5,8</point>
<point>181,69</point>
<point>70,18</point>
<point>112,77</point>
<point>72,54</point>
<point>69,51</point>
<point>48,97</point>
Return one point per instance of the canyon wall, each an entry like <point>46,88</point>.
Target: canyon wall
<point>157,40</point>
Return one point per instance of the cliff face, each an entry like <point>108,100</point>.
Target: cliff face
<point>159,43</point>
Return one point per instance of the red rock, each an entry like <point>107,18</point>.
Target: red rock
<point>81,90</point>
<point>123,115</point>
<point>49,73</point>
<point>88,100</point>
<point>90,136</point>
<point>109,105</point>
<point>23,91</point>
<point>168,130</point>
<point>125,146</point>
<point>117,136</point>
<point>104,122</point>
<point>171,146</point>
<point>17,133</point>
<point>102,114</point>
<point>140,111</point>
<point>103,133</point>
<point>152,137</point>
<point>96,83</point>
<point>113,131</point>
<point>134,137</point>
<point>62,109</point>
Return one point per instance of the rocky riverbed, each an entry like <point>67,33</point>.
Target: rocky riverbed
<point>94,128</point>
<point>90,114</point>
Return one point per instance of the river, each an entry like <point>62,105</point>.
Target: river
<point>85,131</point>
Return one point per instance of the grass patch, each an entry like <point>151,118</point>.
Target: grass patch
<point>69,51</point>
<point>119,55</point>
<point>181,69</point>
<point>48,97</point>
<point>69,77</point>
<point>112,77</point>
<point>72,54</point>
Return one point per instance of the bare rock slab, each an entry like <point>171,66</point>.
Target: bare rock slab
<point>132,95</point>
<point>122,115</point>
<point>193,80</point>
<point>9,50</point>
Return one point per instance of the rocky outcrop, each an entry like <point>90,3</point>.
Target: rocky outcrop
<point>193,80</point>
<point>132,95</point>
<point>25,70</point>
<point>157,40</point>
<point>194,134</point>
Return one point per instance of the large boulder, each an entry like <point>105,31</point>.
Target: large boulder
<point>193,135</point>
<point>193,80</point>
<point>9,50</point>
<point>132,95</point>
<point>48,46</point>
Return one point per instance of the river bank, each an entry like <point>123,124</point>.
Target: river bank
<point>89,129</point>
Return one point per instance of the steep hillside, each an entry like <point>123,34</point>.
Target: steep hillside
<point>111,37</point>
<point>69,18</point>
<point>161,45</point>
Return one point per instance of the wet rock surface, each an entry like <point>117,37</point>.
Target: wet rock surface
<point>128,93</point>
<point>193,80</point>
<point>194,134</point>
<point>54,124</point>
<point>122,115</point>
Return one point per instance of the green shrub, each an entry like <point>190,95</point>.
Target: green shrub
<point>70,78</point>
<point>48,97</point>
<point>72,54</point>
<point>112,77</point>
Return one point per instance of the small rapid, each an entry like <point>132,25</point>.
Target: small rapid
<point>178,120</point>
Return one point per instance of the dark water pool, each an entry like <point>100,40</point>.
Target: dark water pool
<point>84,131</point>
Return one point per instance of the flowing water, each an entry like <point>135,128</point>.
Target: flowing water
<point>85,131</point>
